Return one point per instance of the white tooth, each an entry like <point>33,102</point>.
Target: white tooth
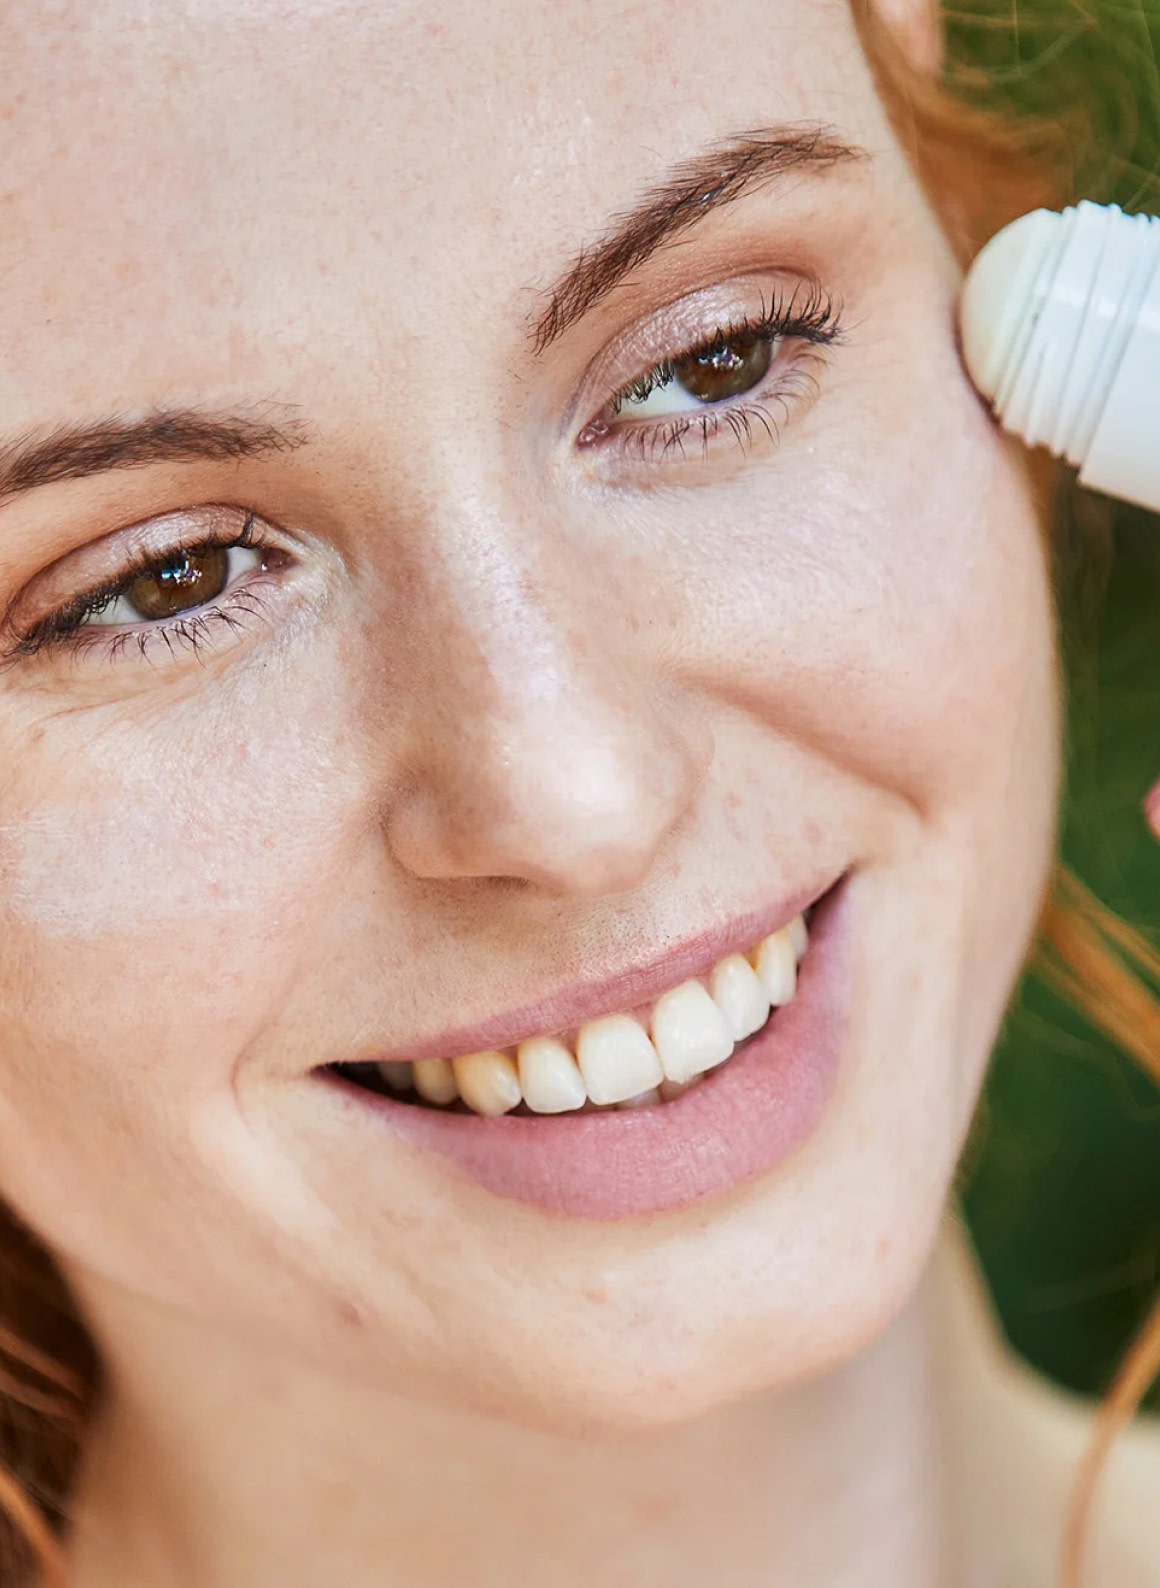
<point>396,1073</point>
<point>642,1100</point>
<point>799,936</point>
<point>616,1059</point>
<point>435,1080</point>
<point>487,1082</point>
<point>689,1032</point>
<point>777,967</point>
<point>738,993</point>
<point>550,1077</point>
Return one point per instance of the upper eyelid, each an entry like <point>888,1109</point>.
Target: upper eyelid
<point>142,542</point>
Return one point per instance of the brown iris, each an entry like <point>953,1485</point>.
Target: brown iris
<point>726,369</point>
<point>184,580</point>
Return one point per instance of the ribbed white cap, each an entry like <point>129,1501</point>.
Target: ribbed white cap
<point>998,310</point>
<point>1048,311</point>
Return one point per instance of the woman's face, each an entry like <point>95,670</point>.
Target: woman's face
<point>411,649</point>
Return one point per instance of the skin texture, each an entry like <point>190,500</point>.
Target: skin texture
<point>513,712</point>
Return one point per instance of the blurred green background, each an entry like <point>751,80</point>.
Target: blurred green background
<point>1062,1176</point>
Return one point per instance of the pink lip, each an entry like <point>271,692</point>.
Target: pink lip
<point>629,989</point>
<point>738,1123</point>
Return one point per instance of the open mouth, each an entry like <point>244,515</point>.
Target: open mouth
<point>635,1059</point>
<point>722,1076</point>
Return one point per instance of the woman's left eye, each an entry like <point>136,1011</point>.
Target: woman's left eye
<point>176,584</point>
<point>743,380</point>
<point>728,367</point>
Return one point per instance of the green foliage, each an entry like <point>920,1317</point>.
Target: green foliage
<point>1092,64</point>
<point>1063,1193</point>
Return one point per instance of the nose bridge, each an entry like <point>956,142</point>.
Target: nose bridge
<point>543,746</point>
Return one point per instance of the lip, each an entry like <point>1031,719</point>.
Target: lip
<point>626,991</point>
<point>738,1123</point>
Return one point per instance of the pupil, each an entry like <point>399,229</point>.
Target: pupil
<point>727,369</point>
<point>183,581</point>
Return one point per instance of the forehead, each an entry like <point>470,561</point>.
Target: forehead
<point>203,164</point>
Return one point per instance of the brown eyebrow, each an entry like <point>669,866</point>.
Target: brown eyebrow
<point>175,435</point>
<point>695,188</point>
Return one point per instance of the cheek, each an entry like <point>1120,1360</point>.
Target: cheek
<point>896,619</point>
<point>158,878</point>
<point>887,607</point>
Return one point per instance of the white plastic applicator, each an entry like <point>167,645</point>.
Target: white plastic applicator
<point>1061,333</point>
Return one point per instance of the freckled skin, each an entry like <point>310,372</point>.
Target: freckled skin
<point>504,720</point>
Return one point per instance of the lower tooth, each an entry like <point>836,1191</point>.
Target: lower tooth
<point>435,1080</point>
<point>642,1099</point>
<point>669,1090</point>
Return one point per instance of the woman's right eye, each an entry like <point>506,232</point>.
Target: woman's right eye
<point>175,596</point>
<point>181,582</point>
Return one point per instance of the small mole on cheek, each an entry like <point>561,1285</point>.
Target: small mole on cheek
<point>351,1315</point>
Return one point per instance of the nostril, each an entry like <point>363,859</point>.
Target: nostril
<point>582,852</point>
<point>586,818</point>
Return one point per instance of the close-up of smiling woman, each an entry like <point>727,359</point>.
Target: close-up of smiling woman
<point>531,735</point>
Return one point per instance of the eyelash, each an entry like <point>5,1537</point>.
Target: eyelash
<point>66,626</point>
<point>813,319</point>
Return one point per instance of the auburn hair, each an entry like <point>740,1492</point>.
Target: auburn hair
<point>980,170</point>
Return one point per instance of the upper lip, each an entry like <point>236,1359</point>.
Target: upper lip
<point>627,989</point>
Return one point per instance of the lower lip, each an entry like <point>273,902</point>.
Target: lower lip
<point>739,1122</point>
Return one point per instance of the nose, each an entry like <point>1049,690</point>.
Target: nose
<point>542,750</point>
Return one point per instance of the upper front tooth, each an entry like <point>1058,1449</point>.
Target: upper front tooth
<point>689,1032</point>
<point>738,993</point>
<point>799,935</point>
<point>487,1082</point>
<point>549,1077</point>
<point>616,1059</point>
<point>776,966</point>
